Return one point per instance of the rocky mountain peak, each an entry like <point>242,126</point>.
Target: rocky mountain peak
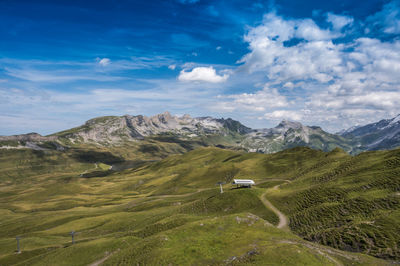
<point>165,117</point>
<point>28,137</point>
<point>118,130</point>
<point>395,120</point>
<point>186,116</point>
<point>286,124</point>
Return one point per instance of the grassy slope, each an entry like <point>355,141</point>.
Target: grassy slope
<point>157,208</point>
<point>351,203</point>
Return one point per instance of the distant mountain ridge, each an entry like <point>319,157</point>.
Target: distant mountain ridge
<point>290,134</point>
<point>115,129</point>
<point>119,130</point>
<point>384,134</point>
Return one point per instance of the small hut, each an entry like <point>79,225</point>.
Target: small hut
<point>243,182</point>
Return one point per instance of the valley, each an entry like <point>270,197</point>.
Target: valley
<point>340,209</point>
<point>195,132</point>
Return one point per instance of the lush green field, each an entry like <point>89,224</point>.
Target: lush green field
<point>171,211</point>
<point>351,203</point>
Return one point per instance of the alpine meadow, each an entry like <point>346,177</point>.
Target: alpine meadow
<point>217,132</point>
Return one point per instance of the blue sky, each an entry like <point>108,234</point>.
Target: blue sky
<point>330,63</point>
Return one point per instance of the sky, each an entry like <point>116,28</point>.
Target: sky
<point>333,63</point>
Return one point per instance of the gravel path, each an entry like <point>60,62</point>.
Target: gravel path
<point>283,220</point>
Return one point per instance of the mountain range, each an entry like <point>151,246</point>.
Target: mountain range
<point>114,131</point>
<point>384,134</point>
<point>137,189</point>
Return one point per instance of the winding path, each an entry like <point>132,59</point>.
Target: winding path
<point>283,220</point>
<point>102,260</point>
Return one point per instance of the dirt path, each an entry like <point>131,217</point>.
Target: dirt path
<point>330,258</point>
<point>100,261</point>
<point>283,220</point>
<point>86,171</point>
<point>274,179</point>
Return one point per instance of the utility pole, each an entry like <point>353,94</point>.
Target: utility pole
<point>18,247</point>
<point>72,235</point>
<point>220,186</point>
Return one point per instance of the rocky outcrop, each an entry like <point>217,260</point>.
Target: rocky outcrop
<point>117,130</point>
<point>384,134</point>
<point>34,137</point>
<point>289,134</point>
<point>33,141</point>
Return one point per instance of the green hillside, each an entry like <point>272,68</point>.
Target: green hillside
<point>171,211</point>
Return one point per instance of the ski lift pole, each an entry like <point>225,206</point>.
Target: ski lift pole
<point>18,246</point>
<point>72,236</point>
<point>220,186</point>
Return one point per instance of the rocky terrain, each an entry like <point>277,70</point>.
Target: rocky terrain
<point>208,131</point>
<point>131,184</point>
<point>291,134</point>
<point>384,134</point>
<point>113,129</point>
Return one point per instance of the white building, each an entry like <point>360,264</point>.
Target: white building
<point>243,182</point>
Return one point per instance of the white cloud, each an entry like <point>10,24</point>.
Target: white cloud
<point>302,72</point>
<point>339,21</point>
<point>76,105</point>
<point>40,71</point>
<point>308,30</point>
<point>259,101</point>
<point>56,76</point>
<point>104,61</point>
<point>331,83</point>
<point>317,58</point>
<point>279,115</point>
<point>202,74</point>
<point>388,19</point>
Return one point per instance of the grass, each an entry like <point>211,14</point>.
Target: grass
<point>232,239</point>
<point>350,204</point>
<point>171,211</point>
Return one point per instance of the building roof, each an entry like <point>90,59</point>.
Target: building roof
<point>243,181</point>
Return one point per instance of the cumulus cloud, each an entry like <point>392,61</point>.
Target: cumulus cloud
<point>322,74</point>
<point>256,102</point>
<point>316,58</point>
<point>202,74</point>
<point>104,61</point>
<point>332,82</point>
<point>279,115</point>
<point>307,29</point>
<point>388,19</point>
<point>339,21</point>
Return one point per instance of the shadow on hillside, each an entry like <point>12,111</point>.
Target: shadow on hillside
<point>240,188</point>
<point>186,144</point>
<point>89,156</point>
<point>97,174</point>
<point>120,166</point>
